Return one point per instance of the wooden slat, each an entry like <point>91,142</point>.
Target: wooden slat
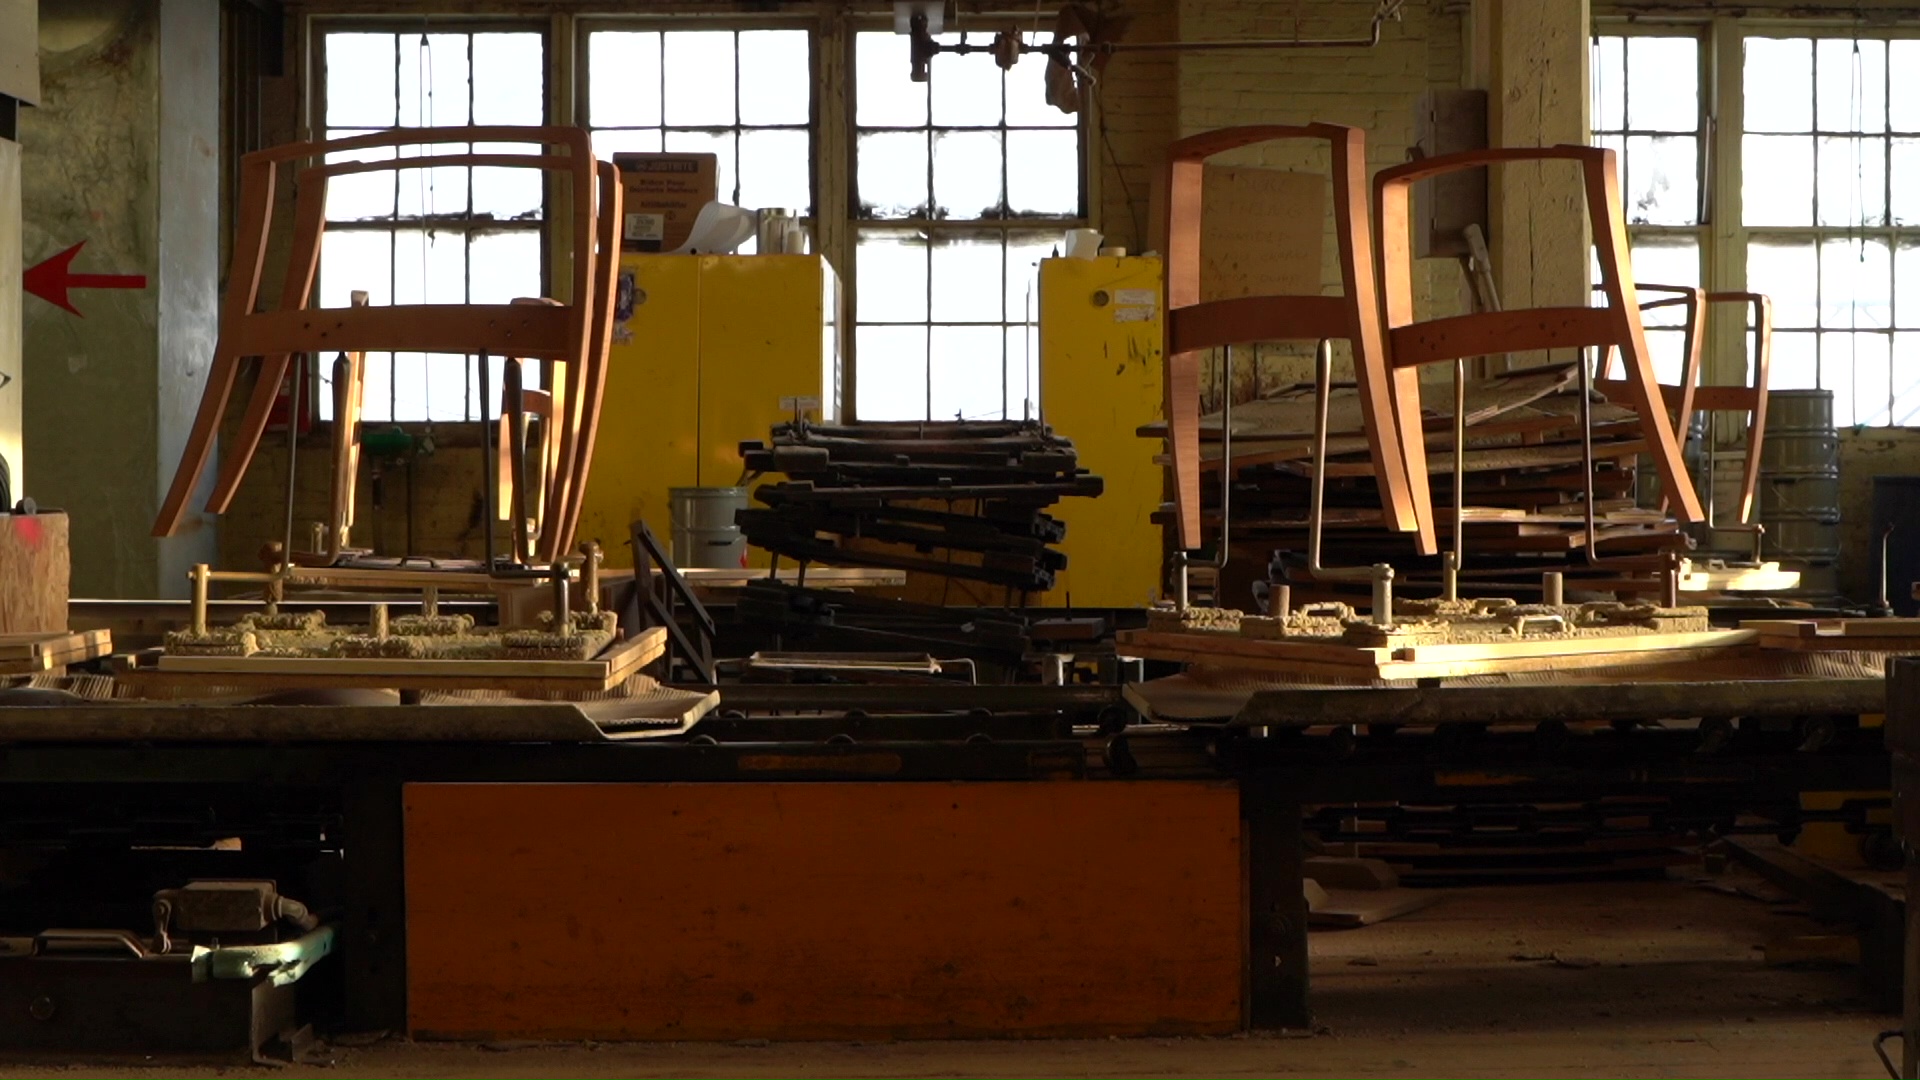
<point>500,329</point>
<point>602,673</point>
<point>1492,332</point>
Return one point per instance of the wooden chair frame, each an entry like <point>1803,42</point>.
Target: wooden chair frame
<point>1411,343</point>
<point>1692,396</point>
<point>565,334</point>
<point>1194,325</point>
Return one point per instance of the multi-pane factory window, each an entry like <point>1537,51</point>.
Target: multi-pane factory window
<point>425,236</point>
<point>1830,188</point>
<point>745,96</point>
<point>1646,106</point>
<point>961,185</point>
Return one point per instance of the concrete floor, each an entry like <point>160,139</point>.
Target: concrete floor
<point>1597,978</point>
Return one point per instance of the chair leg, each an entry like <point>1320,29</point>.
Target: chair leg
<point>1183,445</point>
<point>221,375</point>
<point>1412,438</point>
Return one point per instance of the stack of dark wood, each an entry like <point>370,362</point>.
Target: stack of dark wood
<point>1524,498</point>
<point>964,500</point>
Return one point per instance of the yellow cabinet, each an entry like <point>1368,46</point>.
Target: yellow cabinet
<point>1100,381</point>
<point>716,350</point>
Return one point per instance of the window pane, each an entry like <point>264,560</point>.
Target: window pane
<point>507,194</point>
<point>966,173</point>
<point>1795,363</point>
<point>512,85</point>
<point>966,282</point>
<point>1776,182</point>
<point>717,143</point>
<point>1906,285</point>
<point>1788,271</point>
<point>433,80</point>
<point>776,79</point>
<point>1906,380</point>
<point>353,259</point>
<point>1855,284</point>
<point>443,385</point>
<point>642,141</point>
<point>966,372</point>
<point>1852,85</point>
<point>1779,84</point>
<point>1609,84</point>
<point>378,405</point>
<point>1043,172</point>
<point>1027,93</point>
<point>429,267</point>
<point>410,396</point>
<point>360,80</point>
<point>360,196</point>
<point>893,373</point>
<point>893,174</point>
<point>966,89</point>
<point>1903,75</point>
<point>1853,181</point>
<point>1023,372</point>
<point>1663,84</point>
<point>1669,351</point>
<point>1024,252</point>
<point>434,191</point>
<point>623,79</point>
<point>1666,260</point>
<point>892,270</point>
<point>698,69</point>
<point>1906,181</point>
<point>1857,368</point>
<point>503,267</point>
<point>775,169</point>
<point>886,95</point>
<point>1662,182</point>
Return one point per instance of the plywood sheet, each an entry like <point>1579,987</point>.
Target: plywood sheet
<point>1261,232</point>
<point>34,570</point>
<point>823,910</point>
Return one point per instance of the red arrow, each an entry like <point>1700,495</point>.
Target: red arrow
<point>51,279</point>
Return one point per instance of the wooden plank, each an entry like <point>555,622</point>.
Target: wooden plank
<point>34,573</point>
<point>1218,645</point>
<point>1619,645</point>
<point>973,908</point>
<point>602,673</point>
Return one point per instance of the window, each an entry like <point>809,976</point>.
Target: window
<point>961,185</point>
<point>1824,183</point>
<point>1829,174</point>
<point>422,236</point>
<point>745,96</point>
<point>1647,108</point>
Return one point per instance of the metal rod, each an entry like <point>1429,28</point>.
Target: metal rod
<point>293,454</point>
<point>1586,452</point>
<point>1886,543</point>
<point>488,465</point>
<point>1381,574</point>
<point>1450,569</point>
<point>199,577</point>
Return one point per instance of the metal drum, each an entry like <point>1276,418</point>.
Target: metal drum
<point>1800,485</point>
<point>704,533</point>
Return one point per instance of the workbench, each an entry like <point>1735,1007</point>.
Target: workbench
<point>75,775</point>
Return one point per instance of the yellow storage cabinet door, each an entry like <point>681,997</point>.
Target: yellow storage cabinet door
<point>761,340</point>
<point>1100,381</point>
<point>649,425</point>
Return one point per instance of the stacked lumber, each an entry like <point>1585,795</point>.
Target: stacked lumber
<point>959,499</point>
<point>1838,635</point>
<point>1524,487</point>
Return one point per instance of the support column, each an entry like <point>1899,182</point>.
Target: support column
<point>19,89</point>
<point>1535,69</point>
<point>1277,976</point>
<point>122,157</point>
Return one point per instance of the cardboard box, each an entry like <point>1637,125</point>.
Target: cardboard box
<point>664,193</point>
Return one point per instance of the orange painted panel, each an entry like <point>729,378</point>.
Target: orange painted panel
<point>823,911</point>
